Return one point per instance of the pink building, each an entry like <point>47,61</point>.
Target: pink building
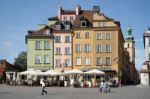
<point>62,50</point>
<point>63,38</point>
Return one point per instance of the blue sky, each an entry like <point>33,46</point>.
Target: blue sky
<point>19,16</point>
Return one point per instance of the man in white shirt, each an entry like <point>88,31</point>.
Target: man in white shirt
<point>43,87</point>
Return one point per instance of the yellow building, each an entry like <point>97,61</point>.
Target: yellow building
<point>98,43</point>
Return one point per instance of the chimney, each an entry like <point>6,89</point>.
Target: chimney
<point>78,8</point>
<point>59,12</point>
<point>41,26</point>
<point>96,9</point>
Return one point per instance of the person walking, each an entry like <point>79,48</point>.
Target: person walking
<point>43,86</point>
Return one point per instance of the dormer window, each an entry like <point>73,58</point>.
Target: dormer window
<point>67,27</point>
<point>47,32</point>
<point>58,26</point>
<point>83,23</point>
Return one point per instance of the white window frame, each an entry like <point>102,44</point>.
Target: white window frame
<point>78,35</point>
<point>37,44</point>
<point>58,62</point>
<point>58,50</point>
<point>67,39</point>
<point>99,63</point>
<point>87,35</point>
<point>67,62</point>
<point>58,27</point>
<point>99,36</point>
<point>99,48</point>
<point>57,39</point>
<point>78,61</point>
<point>87,48</point>
<point>67,50</point>
<point>38,59</point>
<point>78,47</point>
<point>87,61</point>
<point>101,24</point>
<point>108,63</point>
<point>85,22</point>
<point>108,48</point>
<point>108,36</point>
<point>46,59</point>
<point>46,45</point>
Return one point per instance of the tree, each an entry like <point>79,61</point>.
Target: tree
<point>21,60</point>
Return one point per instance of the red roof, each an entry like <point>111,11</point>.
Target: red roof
<point>68,12</point>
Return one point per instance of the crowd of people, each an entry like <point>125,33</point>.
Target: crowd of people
<point>105,86</point>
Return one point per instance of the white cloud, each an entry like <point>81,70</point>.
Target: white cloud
<point>7,44</point>
<point>139,40</point>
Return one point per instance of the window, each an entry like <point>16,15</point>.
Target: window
<point>58,51</point>
<point>78,61</point>
<point>37,59</point>
<point>58,26</point>
<point>78,35</point>
<point>37,45</point>
<point>99,61</point>
<point>47,32</point>
<point>71,18</point>
<point>149,56</point>
<point>67,39</point>
<point>57,39</point>
<point>46,59</point>
<point>67,26</point>
<point>99,36</point>
<point>107,36</point>
<point>87,61</point>
<point>78,47</point>
<point>58,62</point>
<point>87,48</point>
<point>83,23</point>
<point>87,35</point>
<point>108,61</point>
<point>102,24</point>
<point>65,18</point>
<point>108,48</point>
<point>67,50</point>
<point>46,44</point>
<point>67,62</point>
<point>99,48</point>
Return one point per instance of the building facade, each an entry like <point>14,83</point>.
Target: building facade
<point>98,43</point>
<point>62,50</point>
<point>79,39</point>
<point>129,63</point>
<point>8,71</point>
<point>145,70</point>
<point>40,49</point>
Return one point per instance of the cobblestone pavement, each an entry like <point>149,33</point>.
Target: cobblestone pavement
<point>24,92</point>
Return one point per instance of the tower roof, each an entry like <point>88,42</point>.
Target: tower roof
<point>129,36</point>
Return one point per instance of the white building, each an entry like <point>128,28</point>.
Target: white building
<point>145,71</point>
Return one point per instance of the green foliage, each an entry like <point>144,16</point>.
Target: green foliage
<point>21,60</point>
